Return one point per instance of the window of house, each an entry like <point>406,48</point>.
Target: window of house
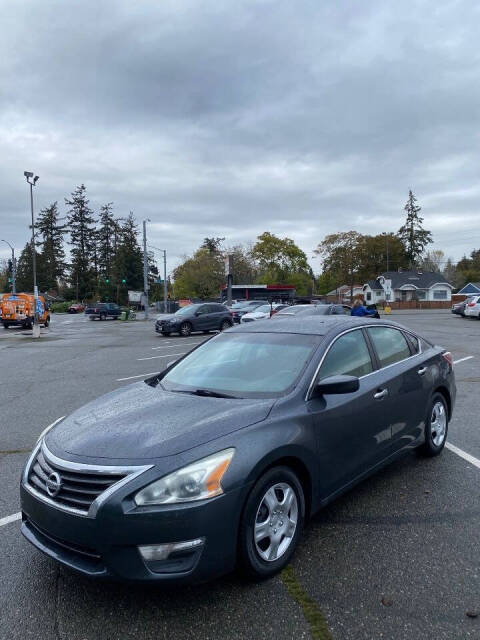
<point>369,295</point>
<point>421,295</point>
<point>440,294</point>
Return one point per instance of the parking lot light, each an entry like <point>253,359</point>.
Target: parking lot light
<point>36,325</point>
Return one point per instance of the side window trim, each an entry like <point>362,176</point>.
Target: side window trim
<point>319,366</point>
<point>407,340</point>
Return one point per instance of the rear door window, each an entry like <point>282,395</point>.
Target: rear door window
<point>390,344</point>
<point>348,355</point>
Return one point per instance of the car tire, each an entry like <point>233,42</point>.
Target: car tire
<point>185,329</point>
<point>47,321</point>
<point>226,324</point>
<point>206,332</point>
<point>103,316</point>
<point>274,486</point>
<point>5,325</point>
<point>436,426</point>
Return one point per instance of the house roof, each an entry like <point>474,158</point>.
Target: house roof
<point>470,287</point>
<point>418,279</point>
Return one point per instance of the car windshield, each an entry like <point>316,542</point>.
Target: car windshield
<point>243,365</point>
<point>292,311</point>
<point>184,310</point>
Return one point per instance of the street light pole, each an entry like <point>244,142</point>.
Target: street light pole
<point>145,266</point>
<point>14,268</point>
<point>36,325</point>
<point>165,290</point>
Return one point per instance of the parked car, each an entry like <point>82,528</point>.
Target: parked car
<point>219,460</point>
<point>195,317</point>
<point>104,310</point>
<point>260,313</point>
<point>76,308</point>
<point>459,307</point>
<point>472,307</point>
<point>314,309</point>
<point>247,307</point>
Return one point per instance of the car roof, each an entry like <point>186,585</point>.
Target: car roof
<point>311,325</point>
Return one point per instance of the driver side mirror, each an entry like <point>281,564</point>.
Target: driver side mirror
<point>337,385</point>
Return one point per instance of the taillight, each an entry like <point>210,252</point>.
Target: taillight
<point>471,304</point>
<point>448,357</point>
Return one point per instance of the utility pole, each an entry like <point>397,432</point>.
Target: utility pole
<point>165,295</point>
<point>387,255</point>
<point>165,289</point>
<point>14,267</point>
<point>36,325</point>
<point>145,267</point>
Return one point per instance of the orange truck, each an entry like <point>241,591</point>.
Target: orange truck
<point>18,310</point>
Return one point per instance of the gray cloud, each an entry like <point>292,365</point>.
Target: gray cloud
<point>221,118</point>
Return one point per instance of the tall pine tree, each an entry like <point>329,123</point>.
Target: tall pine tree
<point>82,239</point>
<point>413,236</point>
<point>129,258</point>
<point>52,256</point>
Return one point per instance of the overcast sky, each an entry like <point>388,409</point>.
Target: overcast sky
<point>229,118</point>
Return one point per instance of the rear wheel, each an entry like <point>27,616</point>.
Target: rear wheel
<point>271,524</point>
<point>226,324</point>
<point>185,329</point>
<point>436,427</point>
<point>47,321</point>
<point>103,316</point>
<point>5,325</point>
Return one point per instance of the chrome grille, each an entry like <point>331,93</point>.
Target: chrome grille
<point>78,488</point>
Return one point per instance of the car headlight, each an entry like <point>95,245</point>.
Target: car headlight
<point>197,481</point>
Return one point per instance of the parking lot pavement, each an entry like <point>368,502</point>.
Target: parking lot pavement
<point>407,537</point>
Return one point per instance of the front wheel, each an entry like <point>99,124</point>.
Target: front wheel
<point>5,325</point>
<point>47,321</point>
<point>185,329</point>
<point>103,316</point>
<point>271,524</point>
<point>436,427</point>
<point>165,334</point>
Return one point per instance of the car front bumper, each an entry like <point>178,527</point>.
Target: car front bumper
<point>107,546</point>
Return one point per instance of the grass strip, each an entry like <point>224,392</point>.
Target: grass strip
<point>10,451</point>
<point>315,618</point>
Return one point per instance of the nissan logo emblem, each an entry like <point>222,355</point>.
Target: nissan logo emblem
<point>54,484</point>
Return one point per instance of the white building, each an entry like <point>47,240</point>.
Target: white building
<point>403,286</point>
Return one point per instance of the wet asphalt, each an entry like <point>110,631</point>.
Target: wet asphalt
<point>397,557</point>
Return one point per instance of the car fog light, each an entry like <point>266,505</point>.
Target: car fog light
<point>154,552</point>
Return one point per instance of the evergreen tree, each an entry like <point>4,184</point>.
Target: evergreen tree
<point>52,257</point>
<point>414,237</point>
<point>129,257</point>
<point>24,281</point>
<point>82,239</point>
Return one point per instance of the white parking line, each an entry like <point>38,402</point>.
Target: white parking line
<point>168,355</point>
<point>142,375</point>
<point>167,345</point>
<point>462,359</point>
<point>463,454</point>
<point>12,518</point>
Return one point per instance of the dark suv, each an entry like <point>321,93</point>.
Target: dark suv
<point>103,310</point>
<point>195,317</point>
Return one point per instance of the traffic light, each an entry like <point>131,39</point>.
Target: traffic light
<point>10,266</point>
<point>107,280</point>
<point>124,280</point>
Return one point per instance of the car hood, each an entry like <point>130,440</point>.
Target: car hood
<point>256,315</point>
<point>141,421</point>
<point>166,316</point>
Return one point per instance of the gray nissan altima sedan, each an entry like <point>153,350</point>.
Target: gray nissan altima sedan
<point>217,462</point>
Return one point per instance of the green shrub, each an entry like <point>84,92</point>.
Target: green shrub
<point>59,307</point>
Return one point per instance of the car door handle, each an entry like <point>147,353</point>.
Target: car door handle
<point>383,393</point>
<point>422,371</point>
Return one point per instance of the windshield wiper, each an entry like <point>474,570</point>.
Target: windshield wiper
<point>205,392</point>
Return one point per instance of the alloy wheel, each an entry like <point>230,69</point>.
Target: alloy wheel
<point>276,522</point>
<point>438,423</point>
